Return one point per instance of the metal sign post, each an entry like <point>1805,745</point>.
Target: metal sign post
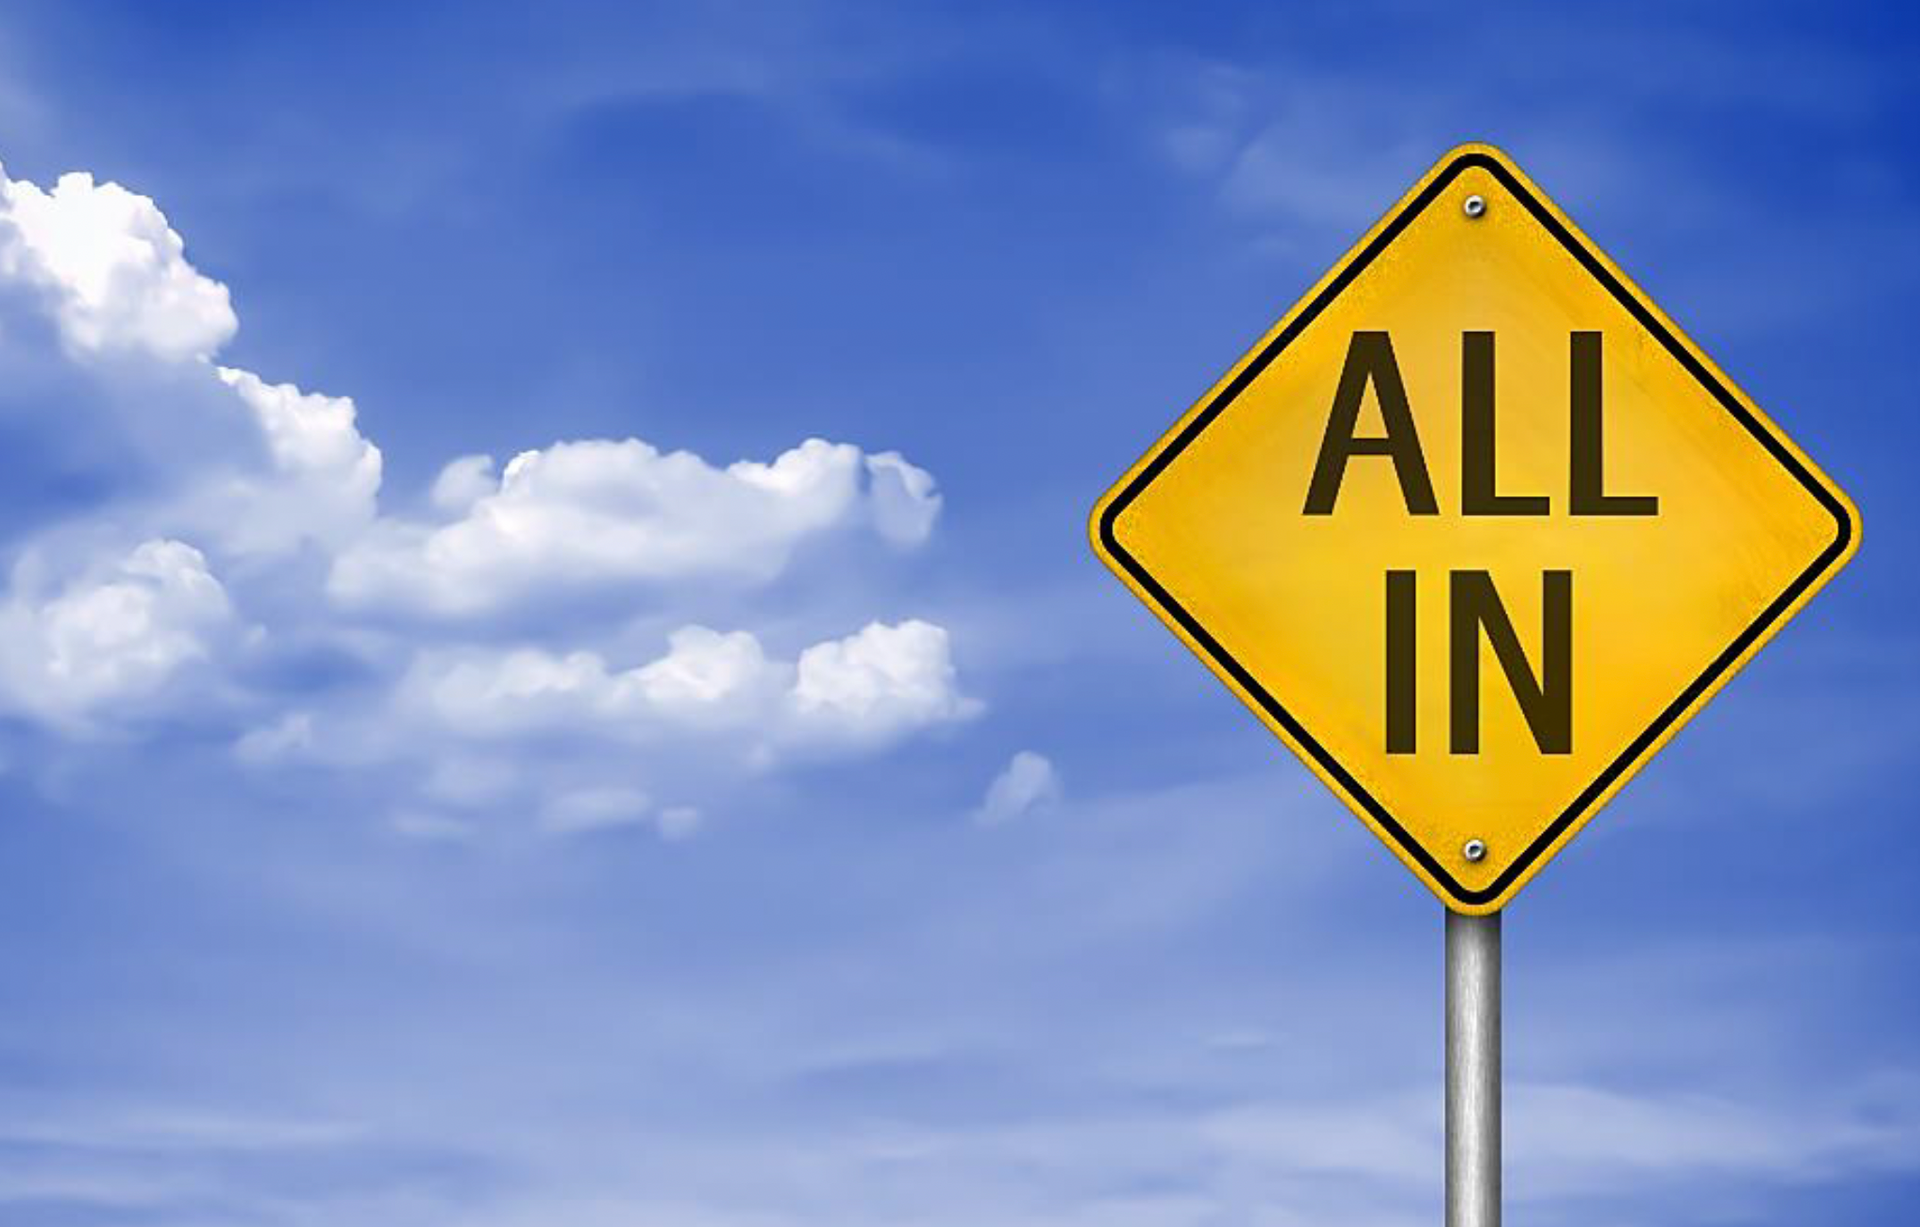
<point>1473,1070</point>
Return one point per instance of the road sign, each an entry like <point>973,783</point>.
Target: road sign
<point>1474,529</point>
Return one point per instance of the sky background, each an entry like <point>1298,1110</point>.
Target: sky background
<point>630,838</point>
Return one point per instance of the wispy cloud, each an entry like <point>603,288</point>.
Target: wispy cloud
<point>1352,1163</point>
<point>1027,784</point>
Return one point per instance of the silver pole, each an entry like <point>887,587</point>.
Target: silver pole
<point>1473,1070</point>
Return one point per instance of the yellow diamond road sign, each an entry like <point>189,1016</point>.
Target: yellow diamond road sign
<point>1474,529</point>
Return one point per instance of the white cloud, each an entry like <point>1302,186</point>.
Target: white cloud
<point>117,274</point>
<point>462,483</point>
<point>322,485</point>
<point>113,636</point>
<point>1028,783</point>
<point>706,678</point>
<point>599,511</point>
<point>236,466</point>
<point>879,682</point>
<point>480,694</point>
<point>259,503</point>
<point>872,686</point>
<point>905,504</point>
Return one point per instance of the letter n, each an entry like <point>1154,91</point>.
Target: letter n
<point>1545,698</point>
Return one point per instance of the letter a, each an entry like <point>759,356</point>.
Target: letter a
<point>1370,361</point>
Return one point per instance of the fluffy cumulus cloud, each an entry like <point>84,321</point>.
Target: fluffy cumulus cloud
<point>256,533</point>
<point>322,476</point>
<point>111,638</point>
<point>876,683</point>
<point>114,274</point>
<point>600,511</point>
<point>242,466</point>
<point>874,686</point>
<point>706,679</point>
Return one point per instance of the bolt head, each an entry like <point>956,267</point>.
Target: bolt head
<point>1474,206</point>
<point>1474,850</point>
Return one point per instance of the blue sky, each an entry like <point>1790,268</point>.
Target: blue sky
<point>393,838</point>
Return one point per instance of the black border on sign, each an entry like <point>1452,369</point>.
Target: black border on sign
<point>1667,719</point>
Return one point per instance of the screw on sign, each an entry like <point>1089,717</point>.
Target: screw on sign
<point>1473,530</point>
